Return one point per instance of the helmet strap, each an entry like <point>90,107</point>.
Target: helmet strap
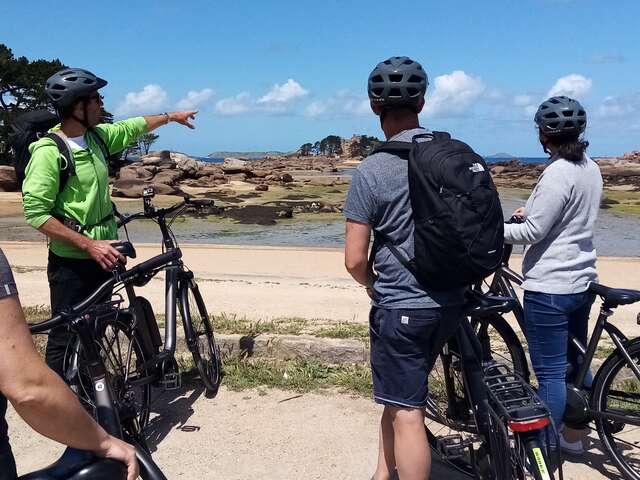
<point>82,121</point>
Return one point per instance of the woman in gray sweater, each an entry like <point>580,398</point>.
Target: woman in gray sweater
<point>560,258</point>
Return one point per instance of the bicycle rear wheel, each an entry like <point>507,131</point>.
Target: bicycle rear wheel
<point>200,338</point>
<point>616,391</point>
<point>446,388</point>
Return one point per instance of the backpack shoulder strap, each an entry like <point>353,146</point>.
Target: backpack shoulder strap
<point>65,150</point>
<point>441,136</point>
<point>101,143</point>
<point>400,149</point>
<point>381,238</point>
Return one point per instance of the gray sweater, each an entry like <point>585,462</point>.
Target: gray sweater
<point>559,216</point>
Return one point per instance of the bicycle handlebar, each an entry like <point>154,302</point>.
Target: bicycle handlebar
<point>162,212</point>
<point>141,269</point>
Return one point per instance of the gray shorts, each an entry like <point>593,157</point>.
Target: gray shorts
<point>7,283</point>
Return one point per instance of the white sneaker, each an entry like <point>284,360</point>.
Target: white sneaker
<point>572,448</point>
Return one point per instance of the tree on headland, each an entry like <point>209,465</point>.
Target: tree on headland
<point>364,146</point>
<point>146,141</point>
<point>331,145</point>
<point>306,149</point>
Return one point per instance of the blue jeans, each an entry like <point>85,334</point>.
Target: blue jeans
<point>550,319</point>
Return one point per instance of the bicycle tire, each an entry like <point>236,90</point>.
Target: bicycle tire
<point>606,389</point>
<point>200,337</point>
<point>438,396</point>
<point>516,360</point>
<point>130,385</point>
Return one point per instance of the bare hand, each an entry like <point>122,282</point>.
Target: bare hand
<point>519,212</point>
<point>123,452</point>
<point>183,118</point>
<point>104,254</point>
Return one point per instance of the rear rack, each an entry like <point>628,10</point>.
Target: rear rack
<point>512,398</point>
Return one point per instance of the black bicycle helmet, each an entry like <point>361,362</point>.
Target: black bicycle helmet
<point>66,86</point>
<point>561,116</point>
<point>398,81</point>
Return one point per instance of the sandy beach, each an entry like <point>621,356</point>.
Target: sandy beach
<point>262,283</point>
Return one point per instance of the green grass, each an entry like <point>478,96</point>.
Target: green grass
<point>36,313</point>
<point>231,323</point>
<point>344,330</point>
<point>299,376</point>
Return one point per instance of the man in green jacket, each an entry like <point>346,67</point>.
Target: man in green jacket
<point>78,220</point>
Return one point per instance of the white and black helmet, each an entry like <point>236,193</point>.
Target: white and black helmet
<point>398,81</point>
<point>561,116</point>
<point>66,86</point>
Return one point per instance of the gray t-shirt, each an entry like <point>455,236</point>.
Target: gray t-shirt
<point>379,197</point>
<point>7,283</point>
<point>559,217</point>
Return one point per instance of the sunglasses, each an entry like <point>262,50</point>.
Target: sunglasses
<point>97,97</point>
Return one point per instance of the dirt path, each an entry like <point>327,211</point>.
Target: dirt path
<point>261,283</point>
<point>270,434</point>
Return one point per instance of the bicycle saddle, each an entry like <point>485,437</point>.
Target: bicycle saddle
<point>614,297</point>
<point>478,304</point>
<point>126,249</point>
<point>80,465</point>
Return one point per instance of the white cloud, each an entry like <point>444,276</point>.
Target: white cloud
<point>281,96</point>
<point>523,100</point>
<point>151,99</point>
<point>237,105</point>
<point>343,104</point>
<point>573,86</point>
<point>453,93</point>
<point>627,105</point>
<point>194,99</point>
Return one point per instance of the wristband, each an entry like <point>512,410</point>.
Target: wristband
<point>167,116</point>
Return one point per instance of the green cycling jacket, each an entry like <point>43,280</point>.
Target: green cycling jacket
<point>85,197</point>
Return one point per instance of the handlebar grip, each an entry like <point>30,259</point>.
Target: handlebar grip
<point>46,325</point>
<point>151,264</point>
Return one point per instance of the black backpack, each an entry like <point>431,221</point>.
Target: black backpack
<point>459,225</point>
<point>33,125</point>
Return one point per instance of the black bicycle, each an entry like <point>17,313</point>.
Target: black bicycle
<point>612,402</point>
<point>489,426</point>
<point>86,320</point>
<point>134,351</point>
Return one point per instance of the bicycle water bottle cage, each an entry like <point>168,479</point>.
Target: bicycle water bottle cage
<point>170,378</point>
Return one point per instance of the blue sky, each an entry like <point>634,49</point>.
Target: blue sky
<point>275,74</point>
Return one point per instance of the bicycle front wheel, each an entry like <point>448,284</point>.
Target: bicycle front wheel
<point>200,338</point>
<point>130,382</point>
<point>616,392</point>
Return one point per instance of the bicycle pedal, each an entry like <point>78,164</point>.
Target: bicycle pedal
<point>171,381</point>
<point>453,446</point>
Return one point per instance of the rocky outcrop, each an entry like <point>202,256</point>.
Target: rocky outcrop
<point>8,181</point>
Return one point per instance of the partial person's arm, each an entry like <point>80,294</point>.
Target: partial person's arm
<point>117,136</point>
<point>544,209</point>
<point>356,251</point>
<point>155,121</point>
<point>42,399</point>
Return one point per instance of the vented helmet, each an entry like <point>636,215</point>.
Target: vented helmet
<point>398,81</point>
<point>561,116</point>
<point>66,86</point>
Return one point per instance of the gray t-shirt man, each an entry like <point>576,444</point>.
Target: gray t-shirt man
<point>379,197</point>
